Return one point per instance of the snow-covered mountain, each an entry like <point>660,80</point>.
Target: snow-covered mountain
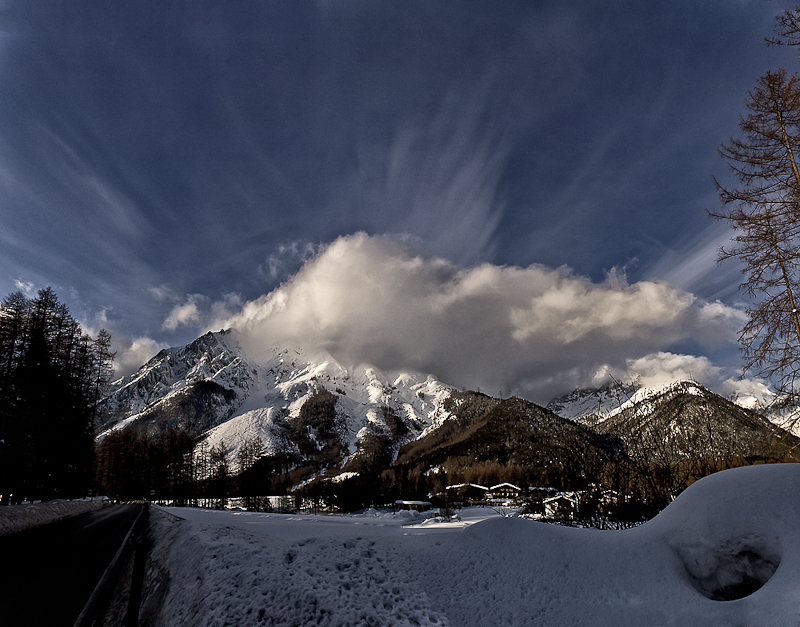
<point>679,421</point>
<point>318,412</point>
<point>593,404</point>
<point>785,418</point>
<point>686,420</point>
<point>209,375</point>
<point>211,389</point>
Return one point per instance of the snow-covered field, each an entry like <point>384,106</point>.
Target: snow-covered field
<point>239,568</point>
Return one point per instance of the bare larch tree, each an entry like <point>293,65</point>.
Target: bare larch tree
<point>764,212</point>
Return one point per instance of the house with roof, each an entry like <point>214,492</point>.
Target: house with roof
<point>504,494</point>
<point>467,493</point>
<point>563,506</point>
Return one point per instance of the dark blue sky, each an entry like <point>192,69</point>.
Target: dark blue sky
<point>155,154</point>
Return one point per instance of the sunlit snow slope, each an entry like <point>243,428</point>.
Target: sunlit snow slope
<point>210,387</point>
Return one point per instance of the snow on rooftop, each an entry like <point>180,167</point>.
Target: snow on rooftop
<point>505,485</point>
<point>729,532</point>
<point>466,485</point>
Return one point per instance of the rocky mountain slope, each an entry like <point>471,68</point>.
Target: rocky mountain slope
<point>192,388</point>
<point>586,403</point>
<point>212,390</point>
<point>314,412</point>
<point>685,420</point>
<point>546,448</point>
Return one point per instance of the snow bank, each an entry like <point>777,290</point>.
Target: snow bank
<point>289,571</point>
<point>724,530</point>
<point>734,534</point>
<point>15,518</point>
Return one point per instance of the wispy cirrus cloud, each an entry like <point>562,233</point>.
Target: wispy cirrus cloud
<point>435,180</point>
<point>288,258</point>
<point>26,287</point>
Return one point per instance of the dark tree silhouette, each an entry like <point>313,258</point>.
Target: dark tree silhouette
<point>52,376</point>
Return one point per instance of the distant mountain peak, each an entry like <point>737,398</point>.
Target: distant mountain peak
<point>211,389</point>
<point>685,419</point>
<point>597,402</point>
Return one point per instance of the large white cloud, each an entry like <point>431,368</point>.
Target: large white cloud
<point>534,330</point>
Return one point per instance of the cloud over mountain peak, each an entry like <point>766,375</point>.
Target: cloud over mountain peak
<point>532,330</point>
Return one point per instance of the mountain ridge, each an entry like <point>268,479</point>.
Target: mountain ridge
<point>313,414</point>
<point>246,399</point>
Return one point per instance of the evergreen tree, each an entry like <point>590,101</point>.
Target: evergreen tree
<point>52,377</point>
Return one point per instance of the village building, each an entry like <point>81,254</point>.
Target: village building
<point>504,494</point>
<point>467,493</point>
<point>563,506</point>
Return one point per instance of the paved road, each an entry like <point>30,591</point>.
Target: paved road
<point>48,573</point>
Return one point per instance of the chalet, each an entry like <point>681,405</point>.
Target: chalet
<point>468,493</point>
<point>540,493</point>
<point>504,493</point>
<point>561,506</point>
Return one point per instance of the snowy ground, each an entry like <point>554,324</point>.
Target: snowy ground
<point>239,568</point>
<point>15,518</point>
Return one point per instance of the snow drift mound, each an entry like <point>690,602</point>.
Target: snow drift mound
<point>734,530</point>
<point>725,552</point>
